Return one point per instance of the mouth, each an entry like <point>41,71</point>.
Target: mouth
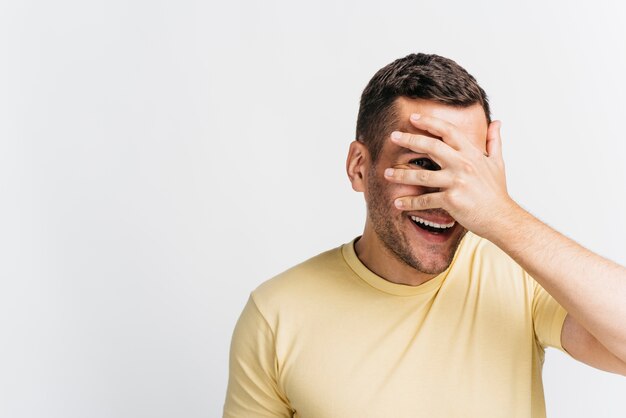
<point>433,227</point>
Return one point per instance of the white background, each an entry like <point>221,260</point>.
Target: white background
<point>160,159</point>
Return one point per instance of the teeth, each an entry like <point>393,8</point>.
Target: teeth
<point>432,224</point>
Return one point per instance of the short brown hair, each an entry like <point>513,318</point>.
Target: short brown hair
<point>416,76</point>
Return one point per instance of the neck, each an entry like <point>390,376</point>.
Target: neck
<point>384,263</point>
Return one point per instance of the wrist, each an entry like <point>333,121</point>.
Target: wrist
<point>508,218</point>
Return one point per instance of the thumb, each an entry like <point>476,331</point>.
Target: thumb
<point>494,142</point>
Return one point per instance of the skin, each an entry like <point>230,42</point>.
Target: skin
<point>415,259</point>
<point>470,188</point>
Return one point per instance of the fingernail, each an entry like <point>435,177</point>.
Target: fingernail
<point>415,116</point>
<point>396,135</point>
<point>389,172</point>
<point>399,204</point>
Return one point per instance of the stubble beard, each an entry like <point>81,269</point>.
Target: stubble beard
<point>392,236</point>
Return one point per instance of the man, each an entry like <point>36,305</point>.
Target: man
<point>418,316</point>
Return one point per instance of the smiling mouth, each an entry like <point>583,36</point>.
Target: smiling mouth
<point>432,227</point>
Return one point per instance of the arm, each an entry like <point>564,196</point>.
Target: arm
<point>253,389</point>
<point>590,288</point>
<point>472,188</point>
<point>583,346</point>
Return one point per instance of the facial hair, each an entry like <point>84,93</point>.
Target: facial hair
<point>388,227</point>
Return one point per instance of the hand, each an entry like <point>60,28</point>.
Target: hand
<point>471,183</point>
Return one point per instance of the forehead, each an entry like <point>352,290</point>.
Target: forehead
<point>470,120</point>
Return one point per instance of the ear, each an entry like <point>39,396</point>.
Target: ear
<point>357,165</point>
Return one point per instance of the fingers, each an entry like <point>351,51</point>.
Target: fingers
<point>494,142</point>
<point>436,149</point>
<point>416,177</point>
<point>425,201</point>
<point>439,128</point>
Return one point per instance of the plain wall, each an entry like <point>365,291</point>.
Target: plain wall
<point>159,160</point>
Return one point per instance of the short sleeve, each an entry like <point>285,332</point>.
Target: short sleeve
<point>548,318</point>
<point>252,384</point>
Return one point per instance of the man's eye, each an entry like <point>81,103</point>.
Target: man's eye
<point>425,163</point>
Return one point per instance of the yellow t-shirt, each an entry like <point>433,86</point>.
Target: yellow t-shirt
<point>329,338</point>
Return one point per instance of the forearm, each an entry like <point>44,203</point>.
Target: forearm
<point>591,288</point>
<point>471,187</point>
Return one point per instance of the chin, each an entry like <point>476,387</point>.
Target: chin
<point>425,240</point>
<point>432,248</point>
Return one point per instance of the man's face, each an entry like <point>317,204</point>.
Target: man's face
<point>411,242</point>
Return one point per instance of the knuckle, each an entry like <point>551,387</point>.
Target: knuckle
<point>451,198</point>
<point>423,176</point>
<point>459,182</point>
<point>413,202</point>
<point>422,200</point>
<point>468,167</point>
<point>414,141</point>
<point>432,144</point>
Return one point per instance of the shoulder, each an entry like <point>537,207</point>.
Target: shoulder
<point>477,246</point>
<point>484,262</point>
<point>310,280</point>
<point>475,250</point>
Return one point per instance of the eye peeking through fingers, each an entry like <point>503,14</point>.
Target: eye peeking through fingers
<point>425,163</point>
